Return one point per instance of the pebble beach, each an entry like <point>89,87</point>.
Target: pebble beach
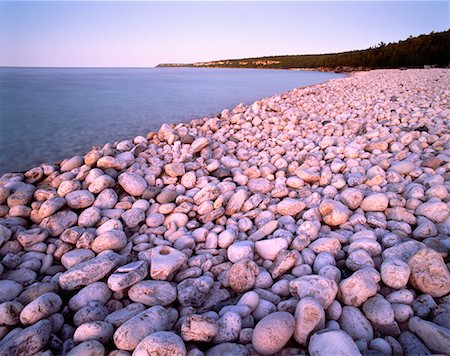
<point>314,222</point>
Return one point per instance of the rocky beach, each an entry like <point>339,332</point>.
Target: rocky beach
<point>315,222</point>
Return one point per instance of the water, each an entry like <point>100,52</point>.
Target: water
<point>47,114</point>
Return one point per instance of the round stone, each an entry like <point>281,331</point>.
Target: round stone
<point>395,273</point>
<point>273,332</point>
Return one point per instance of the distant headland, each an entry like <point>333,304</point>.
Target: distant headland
<point>424,50</point>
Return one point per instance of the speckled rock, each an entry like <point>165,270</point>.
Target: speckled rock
<point>161,343</point>
<point>153,293</point>
<point>198,328</point>
<point>272,333</point>
<point>309,318</point>
<point>320,288</point>
<point>429,273</point>
<point>90,271</point>
<point>395,273</point>
<point>242,275</point>
<point>28,341</point>
<point>359,287</point>
<point>151,320</point>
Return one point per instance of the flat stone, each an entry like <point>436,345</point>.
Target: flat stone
<point>269,249</point>
<point>291,207</point>
<point>165,261</point>
<point>153,293</point>
<point>375,202</point>
<point>90,271</point>
<point>128,275</point>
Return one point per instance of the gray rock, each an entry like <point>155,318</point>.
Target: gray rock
<point>161,343</point>
<point>127,275</point>
<point>354,323</point>
<point>9,313</point>
<point>58,222</point>
<point>151,320</point>
<point>332,342</point>
<point>9,290</point>
<point>153,293</point>
<point>412,345</point>
<point>91,348</point>
<point>395,273</point>
<point>80,199</point>
<point>435,337</point>
<point>40,308</point>
<point>94,330</point>
<point>242,275</point>
<point>194,291</point>
<point>198,328</point>
<point>31,237</point>
<point>90,271</point>
<point>120,316</point>
<point>28,341</point>
<point>320,288</point>
<point>97,291</point>
<point>229,326</point>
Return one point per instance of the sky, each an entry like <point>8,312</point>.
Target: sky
<point>145,33</point>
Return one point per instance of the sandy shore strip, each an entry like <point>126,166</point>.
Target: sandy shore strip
<point>316,221</point>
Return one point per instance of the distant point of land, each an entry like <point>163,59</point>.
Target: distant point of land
<point>425,50</point>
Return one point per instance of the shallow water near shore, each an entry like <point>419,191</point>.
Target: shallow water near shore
<point>47,114</point>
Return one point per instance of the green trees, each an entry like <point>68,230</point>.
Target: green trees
<point>431,49</point>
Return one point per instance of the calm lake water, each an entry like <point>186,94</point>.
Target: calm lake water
<point>47,114</point>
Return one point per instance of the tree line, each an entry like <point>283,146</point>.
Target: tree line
<point>430,49</point>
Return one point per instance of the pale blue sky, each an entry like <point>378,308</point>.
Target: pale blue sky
<point>143,34</point>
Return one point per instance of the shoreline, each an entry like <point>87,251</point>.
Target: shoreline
<point>243,233</point>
